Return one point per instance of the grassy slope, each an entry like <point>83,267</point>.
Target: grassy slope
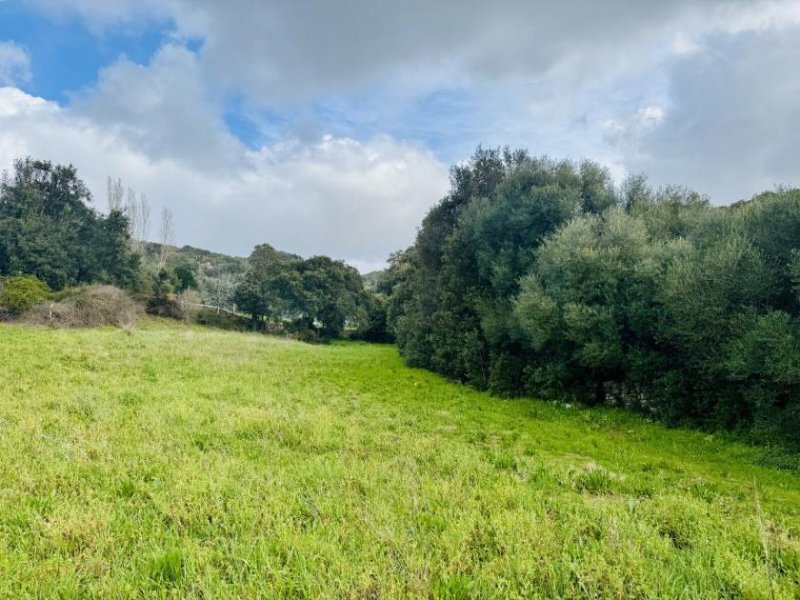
<point>230,465</point>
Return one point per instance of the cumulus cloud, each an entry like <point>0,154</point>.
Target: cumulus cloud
<point>356,200</point>
<point>631,129</point>
<point>363,101</point>
<point>14,64</point>
<point>164,109</point>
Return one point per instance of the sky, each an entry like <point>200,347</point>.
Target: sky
<point>326,127</point>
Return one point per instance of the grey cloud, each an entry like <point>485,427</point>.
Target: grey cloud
<point>290,50</point>
<point>164,109</point>
<point>284,50</point>
<point>732,126</point>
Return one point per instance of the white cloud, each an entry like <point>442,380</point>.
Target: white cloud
<point>164,109</point>
<point>631,129</point>
<point>756,17</point>
<point>14,64</point>
<point>353,200</point>
<point>683,45</point>
<point>701,94</point>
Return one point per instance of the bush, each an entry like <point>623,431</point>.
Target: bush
<point>540,277</point>
<point>18,294</point>
<point>300,330</point>
<point>93,306</point>
<point>164,302</point>
<point>168,308</point>
<point>222,320</point>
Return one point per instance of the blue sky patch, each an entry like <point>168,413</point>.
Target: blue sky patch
<point>65,55</point>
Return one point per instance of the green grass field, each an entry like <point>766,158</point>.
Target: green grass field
<point>180,462</point>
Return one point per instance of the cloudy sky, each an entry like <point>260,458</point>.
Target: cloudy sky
<point>328,127</point>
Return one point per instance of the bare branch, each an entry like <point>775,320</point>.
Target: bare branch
<point>166,234</point>
<point>115,194</point>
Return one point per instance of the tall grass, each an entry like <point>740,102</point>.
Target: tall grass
<point>170,461</point>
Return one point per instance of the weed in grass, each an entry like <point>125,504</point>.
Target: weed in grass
<point>166,566</point>
<point>594,480</point>
<point>702,490</point>
<point>453,587</point>
<point>126,489</point>
<point>504,461</point>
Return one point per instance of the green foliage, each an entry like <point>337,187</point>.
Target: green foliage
<point>221,320</point>
<point>213,275</point>
<point>166,567</point>
<point>20,293</point>
<point>48,230</point>
<point>185,279</point>
<point>269,283</point>
<point>330,294</point>
<point>163,301</point>
<point>373,322</point>
<point>451,308</point>
<point>316,297</point>
<point>171,461</point>
<point>535,276</point>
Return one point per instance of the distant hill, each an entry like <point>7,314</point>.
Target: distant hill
<point>217,274</point>
<point>371,279</point>
<point>213,263</point>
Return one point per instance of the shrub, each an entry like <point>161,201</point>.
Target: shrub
<point>93,306</point>
<point>169,308</point>
<point>300,330</point>
<point>20,293</point>
<point>222,320</point>
<point>164,302</point>
<point>594,480</point>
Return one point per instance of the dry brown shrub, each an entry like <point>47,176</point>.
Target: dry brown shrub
<point>94,306</point>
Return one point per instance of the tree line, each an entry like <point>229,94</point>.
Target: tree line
<point>536,276</point>
<point>532,276</point>
<point>52,240</point>
<point>316,297</point>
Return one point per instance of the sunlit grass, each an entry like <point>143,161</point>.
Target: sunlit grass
<point>177,461</point>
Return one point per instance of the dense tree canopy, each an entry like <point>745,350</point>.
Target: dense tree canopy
<point>538,276</point>
<point>318,295</point>
<point>48,229</point>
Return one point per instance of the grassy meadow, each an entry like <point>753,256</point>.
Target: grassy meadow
<point>172,461</point>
